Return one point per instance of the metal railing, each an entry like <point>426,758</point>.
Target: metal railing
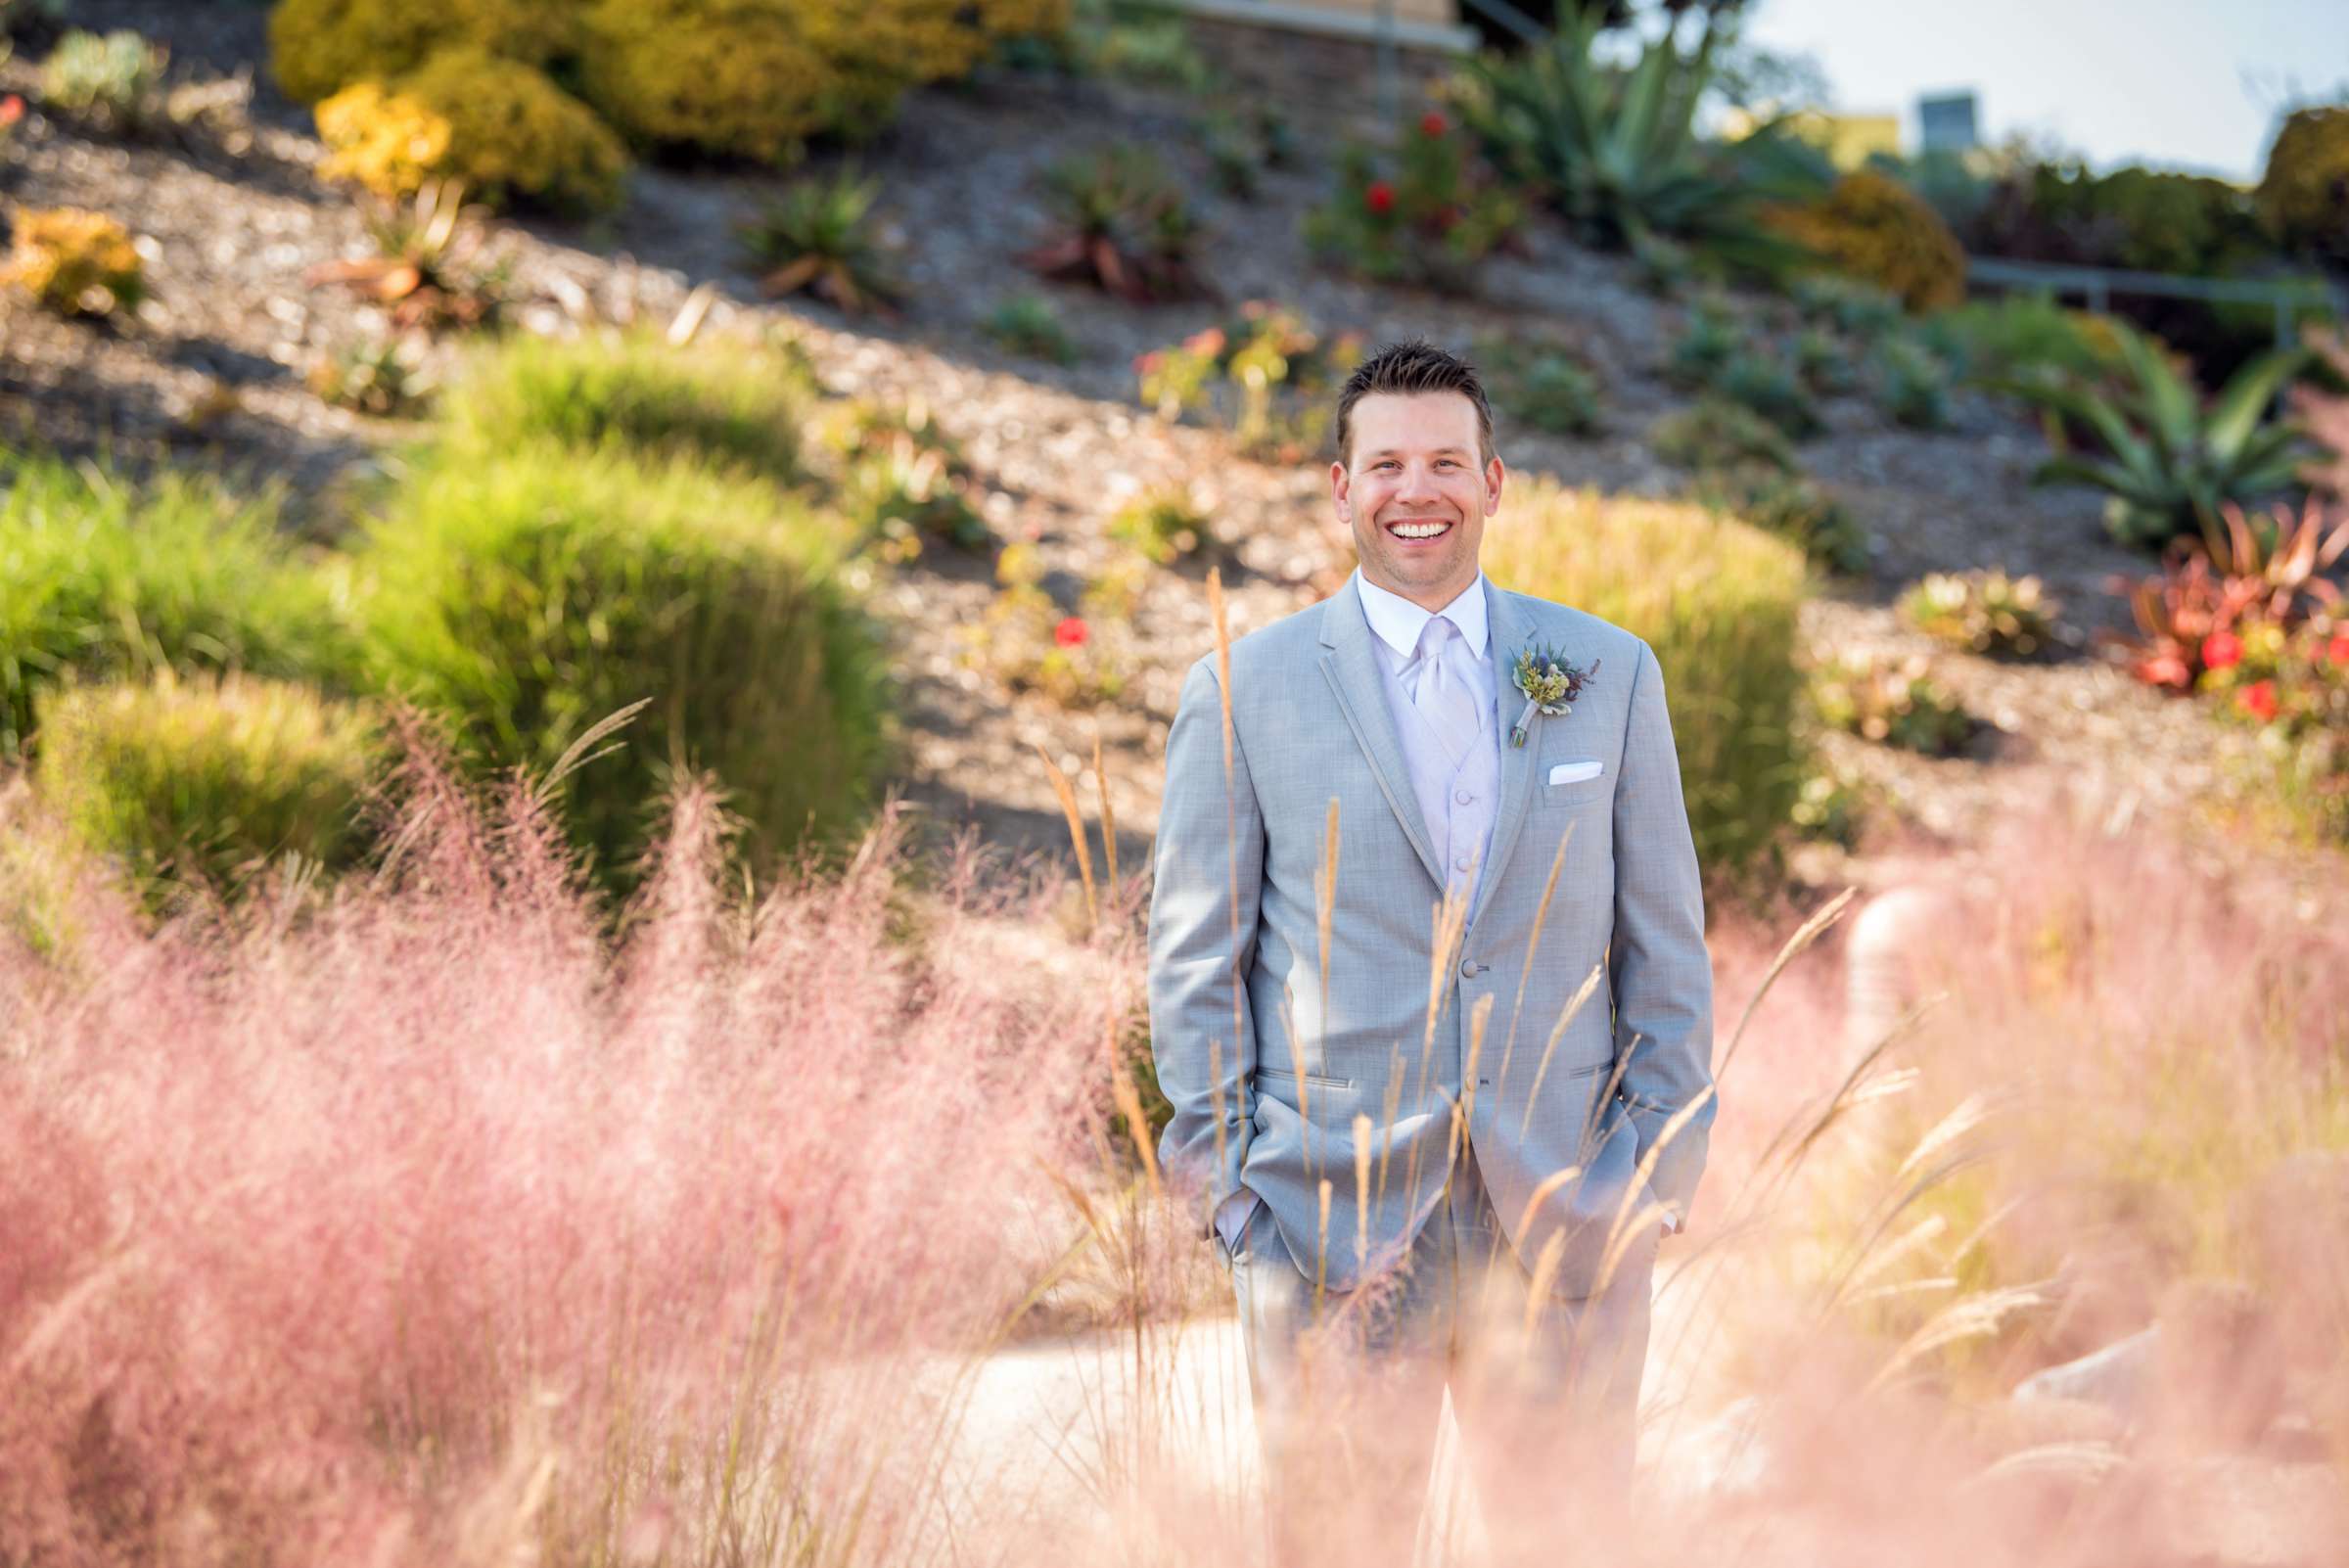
<point>2097,286</point>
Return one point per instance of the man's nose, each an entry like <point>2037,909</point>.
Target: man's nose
<point>1418,484</point>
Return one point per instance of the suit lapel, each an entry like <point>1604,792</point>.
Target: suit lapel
<point>1352,669</point>
<point>1507,632</point>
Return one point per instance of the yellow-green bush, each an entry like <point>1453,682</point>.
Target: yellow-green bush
<point>1874,228</point>
<point>319,47</point>
<point>2303,197</point>
<point>201,780</point>
<point>74,262</point>
<point>729,403</point>
<point>1718,601</point>
<point>103,578</point>
<point>498,126</point>
<point>528,594</point>
<point>747,78</point>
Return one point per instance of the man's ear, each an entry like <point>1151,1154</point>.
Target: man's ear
<point>1494,475</point>
<point>1341,485</point>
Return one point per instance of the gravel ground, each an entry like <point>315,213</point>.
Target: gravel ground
<point>211,370</point>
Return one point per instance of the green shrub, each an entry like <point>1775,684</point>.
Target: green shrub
<point>1982,612</point>
<point>1163,527</point>
<point>115,81</point>
<point>1823,362</point>
<point>2303,196</point>
<point>199,781</point>
<point>1860,310</point>
<point>1714,433</point>
<point>1765,386</point>
<point>1914,384</point>
<point>2020,333</point>
<point>102,577</point>
<point>1718,602</point>
<point>724,400</point>
<point>1898,703</point>
<point>1699,352</point>
<point>1429,216</point>
<point>1542,384</point>
<point>1794,507</point>
<point>530,592</point>
<point>1028,324</point>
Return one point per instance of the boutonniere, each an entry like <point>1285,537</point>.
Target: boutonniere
<point>1550,684</point>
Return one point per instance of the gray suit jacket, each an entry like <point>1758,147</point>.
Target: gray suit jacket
<point>1332,1076</point>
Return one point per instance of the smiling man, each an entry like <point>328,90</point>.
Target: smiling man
<point>1432,1009</point>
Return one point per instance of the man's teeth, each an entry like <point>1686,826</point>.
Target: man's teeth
<point>1420,530</point>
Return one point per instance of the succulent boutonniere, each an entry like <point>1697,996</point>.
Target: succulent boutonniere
<point>1551,683</point>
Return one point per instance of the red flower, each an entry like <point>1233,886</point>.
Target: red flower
<point>12,109</point>
<point>2258,700</point>
<point>1070,632</point>
<point>2338,650</point>
<point>1380,197</point>
<point>2222,650</point>
<point>1432,123</point>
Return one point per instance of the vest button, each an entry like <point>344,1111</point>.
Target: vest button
<point>1463,797</point>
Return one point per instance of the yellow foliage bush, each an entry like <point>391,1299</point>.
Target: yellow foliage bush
<point>319,47</point>
<point>748,78</point>
<point>1876,228</point>
<point>498,126</point>
<point>753,78</point>
<point>74,262</point>
<point>2303,198</point>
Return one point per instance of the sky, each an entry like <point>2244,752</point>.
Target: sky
<point>2191,85</point>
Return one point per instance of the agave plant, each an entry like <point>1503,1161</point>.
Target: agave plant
<point>1617,152</point>
<point>2170,464</point>
<point>426,267</point>
<point>815,239</point>
<point>1121,225</point>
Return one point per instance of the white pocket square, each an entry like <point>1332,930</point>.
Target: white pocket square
<point>1573,772</point>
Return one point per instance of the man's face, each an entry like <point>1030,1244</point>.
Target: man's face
<point>1415,494</point>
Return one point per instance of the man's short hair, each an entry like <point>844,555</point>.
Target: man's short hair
<point>1417,366</point>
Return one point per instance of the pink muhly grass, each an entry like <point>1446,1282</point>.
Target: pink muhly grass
<point>328,1225</point>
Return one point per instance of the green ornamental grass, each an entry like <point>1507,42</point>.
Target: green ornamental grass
<point>530,593</point>
<point>203,781</point>
<point>730,403</point>
<point>1718,602</point>
<point>103,575</point>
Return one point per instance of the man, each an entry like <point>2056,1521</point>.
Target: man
<point>1433,1010</point>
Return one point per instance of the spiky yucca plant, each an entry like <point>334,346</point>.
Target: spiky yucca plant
<point>2170,463</point>
<point>428,267</point>
<point>819,239</point>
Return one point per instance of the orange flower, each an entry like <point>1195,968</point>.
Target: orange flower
<point>2165,668</point>
<point>1070,632</point>
<point>2258,700</point>
<point>12,109</point>
<point>2222,650</point>
<point>2338,650</point>
<point>1380,197</point>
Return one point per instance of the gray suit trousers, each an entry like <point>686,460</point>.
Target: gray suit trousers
<point>1348,1388</point>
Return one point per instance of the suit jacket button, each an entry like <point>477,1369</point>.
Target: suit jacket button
<point>1470,969</point>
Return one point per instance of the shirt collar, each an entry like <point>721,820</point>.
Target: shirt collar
<point>1398,623</point>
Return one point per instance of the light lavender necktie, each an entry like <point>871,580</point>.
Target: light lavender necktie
<point>1442,695</point>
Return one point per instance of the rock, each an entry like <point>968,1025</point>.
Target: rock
<point>2118,1379</point>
